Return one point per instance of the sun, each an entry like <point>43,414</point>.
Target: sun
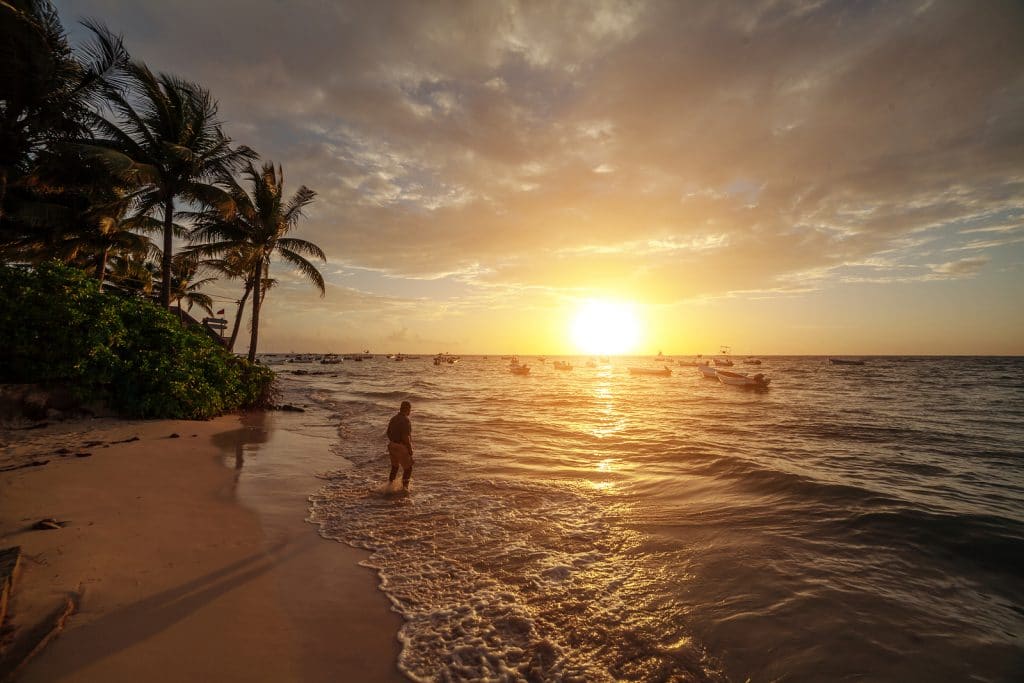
<point>605,328</point>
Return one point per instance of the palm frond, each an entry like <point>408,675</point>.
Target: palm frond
<point>302,247</point>
<point>306,268</point>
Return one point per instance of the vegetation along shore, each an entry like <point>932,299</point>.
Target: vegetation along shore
<point>121,196</point>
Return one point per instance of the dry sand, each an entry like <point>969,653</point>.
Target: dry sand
<point>182,577</point>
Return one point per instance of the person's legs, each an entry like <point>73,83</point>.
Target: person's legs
<point>399,455</point>
<point>406,476</point>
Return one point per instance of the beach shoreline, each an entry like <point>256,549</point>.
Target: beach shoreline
<point>183,563</point>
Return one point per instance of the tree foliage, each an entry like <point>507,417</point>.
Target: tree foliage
<point>59,329</point>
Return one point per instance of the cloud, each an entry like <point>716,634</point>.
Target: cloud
<point>967,267</point>
<point>680,149</point>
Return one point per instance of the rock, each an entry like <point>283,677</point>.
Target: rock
<point>83,455</point>
<point>175,435</point>
<point>289,408</point>
<point>33,405</point>
<point>47,524</point>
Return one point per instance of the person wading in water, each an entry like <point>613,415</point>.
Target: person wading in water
<point>400,445</point>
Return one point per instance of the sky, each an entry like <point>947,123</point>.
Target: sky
<point>784,177</point>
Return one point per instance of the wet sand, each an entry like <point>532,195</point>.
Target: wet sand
<point>187,564</point>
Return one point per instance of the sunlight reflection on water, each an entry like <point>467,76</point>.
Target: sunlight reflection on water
<point>601,525</point>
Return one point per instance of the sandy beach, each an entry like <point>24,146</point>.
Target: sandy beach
<point>183,563</point>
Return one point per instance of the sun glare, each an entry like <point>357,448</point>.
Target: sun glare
<point>605,328</point>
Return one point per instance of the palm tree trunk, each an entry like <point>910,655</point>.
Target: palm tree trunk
<point>3,191</point>
<point>165,266</point>
<point>101,267</point>
<point>256,292</point>
<point>238,316</point>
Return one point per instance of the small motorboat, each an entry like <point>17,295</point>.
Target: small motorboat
<point>517,368</point>
<point>562,365</point>
<point>752,361</point>
<point>724,361</point>
<point>845,361</point>
<point>660,372</point>
<point>739,379</point>
<point>708,372</point>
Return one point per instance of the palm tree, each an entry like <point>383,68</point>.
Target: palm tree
<point>169,138</point>
<point>108,234</point>
<point>81,214</point>
<point>256,227</point>
<point>132,274</point>
<point>46,93</point>
<point>235,264</point>
<point>184,284</point>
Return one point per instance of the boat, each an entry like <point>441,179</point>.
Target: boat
<point>724,361</point>
<point>752,361</point>
<point>707,371</point>
<point>695,363</point>
<point>661,372</point>
<point>517,368</point>
<point>561,365</point>
<point>542,358</point>
<point>845,361</point>
<point>739,379</point>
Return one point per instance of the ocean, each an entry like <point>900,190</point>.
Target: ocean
<point>849,523</point>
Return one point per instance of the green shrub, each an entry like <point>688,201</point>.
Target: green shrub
<point>57,328</point>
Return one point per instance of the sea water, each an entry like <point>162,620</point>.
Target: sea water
<point>849,523</point>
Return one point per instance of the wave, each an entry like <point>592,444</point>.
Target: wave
<point>519,581</point>
<point>990,542</point>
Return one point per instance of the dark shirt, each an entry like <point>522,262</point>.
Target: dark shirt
<point>400,428</point>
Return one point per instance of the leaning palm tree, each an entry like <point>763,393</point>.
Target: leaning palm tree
<point>166,134</point>
<point>235,264</point>
<point>257,228</point>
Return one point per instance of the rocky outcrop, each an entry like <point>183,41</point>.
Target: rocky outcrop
<point>35,402</point>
